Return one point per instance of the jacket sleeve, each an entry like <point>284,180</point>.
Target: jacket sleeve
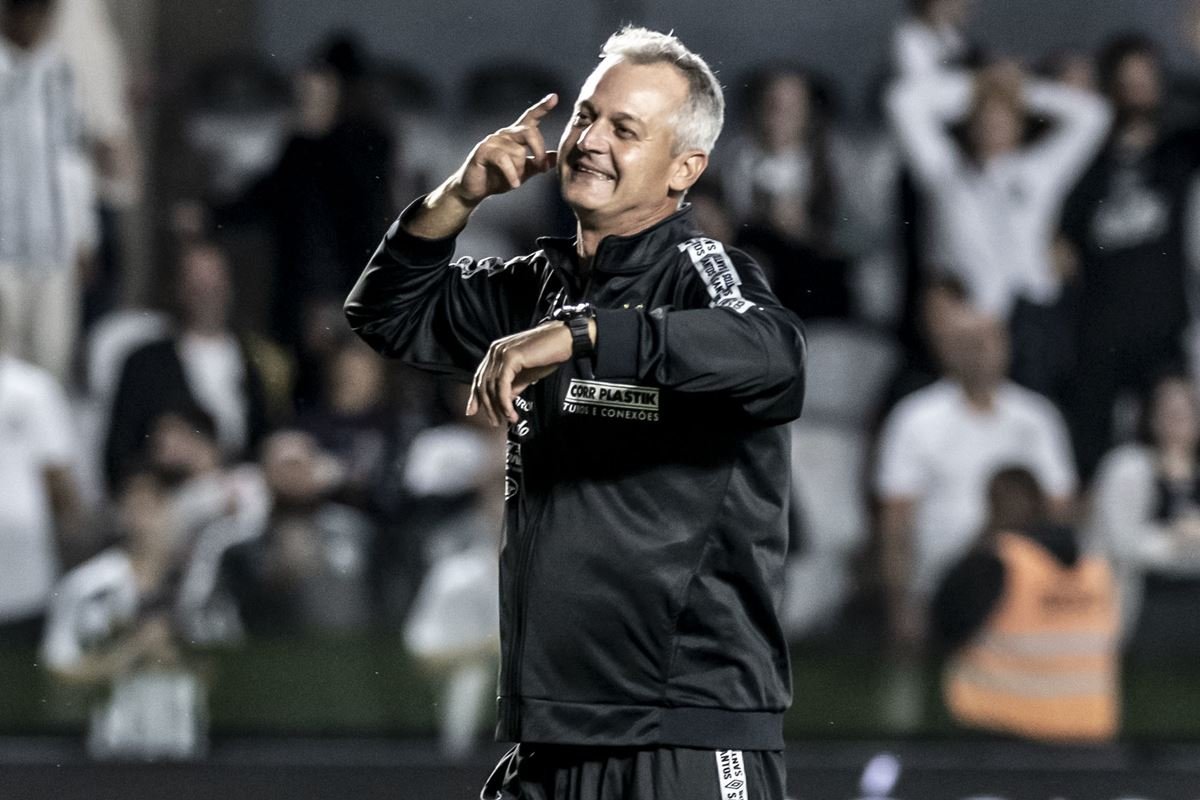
<point>727,336</point>
<point>411,303</point>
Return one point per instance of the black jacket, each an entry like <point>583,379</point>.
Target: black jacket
<point>154,382</point>
<point>642,560</point>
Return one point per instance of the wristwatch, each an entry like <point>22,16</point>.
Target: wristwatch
<point>577,317</point>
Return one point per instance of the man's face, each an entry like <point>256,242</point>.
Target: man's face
<point>1174,418</point>
<point>785,111</point>
<point>205,292</point>
<point>1138,84</point>
<point>995,128</point>
<point>616,163</point>
<point>979,349</point>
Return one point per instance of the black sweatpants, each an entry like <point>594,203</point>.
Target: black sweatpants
<point>558,772</point>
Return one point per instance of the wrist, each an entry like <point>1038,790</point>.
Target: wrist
<point>441,215</point>
<point>449,196</point>
<point>580,321</point>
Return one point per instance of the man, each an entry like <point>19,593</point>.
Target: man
<point>1129,221</point>
<point>1028,582</point>
<point>41,524</point>
<point>644,372</point>
<point>994,204</point>
<point>939,448</point>
<point>237,380</point>
<point>305,568</point>
<point>47,225</point>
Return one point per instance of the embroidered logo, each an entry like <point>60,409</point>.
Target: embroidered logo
<point>718,273</point>
<point>732,774</point>
<point>611,400</point>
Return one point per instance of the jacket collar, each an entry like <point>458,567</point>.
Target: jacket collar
<point>625,254</point>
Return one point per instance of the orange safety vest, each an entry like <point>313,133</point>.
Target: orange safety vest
<point>1044,666</point>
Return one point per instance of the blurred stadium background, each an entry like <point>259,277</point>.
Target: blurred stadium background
<point>274,592</point>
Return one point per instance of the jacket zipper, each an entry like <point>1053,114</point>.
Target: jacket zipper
<point>517,647</point>
<point>525,555</point>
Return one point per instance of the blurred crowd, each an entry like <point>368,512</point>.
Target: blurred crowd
<point>999,460</point>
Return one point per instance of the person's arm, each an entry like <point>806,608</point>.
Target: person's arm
<point>729,337</point>
<point>742,345</point>
<point>920,110</point>
<point>58,454</point>
<point>66,129</point>
<point>967,597</point>
<point>907,612</point>
<point>900,483</point>
<point>1053,461</point>
<point>1080,120</point>
<point>65,505</point>
<point>151,641</point>
<point>410,304</point>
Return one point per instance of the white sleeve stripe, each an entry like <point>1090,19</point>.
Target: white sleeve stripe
<point>716,269</point>
<point>731,772</point>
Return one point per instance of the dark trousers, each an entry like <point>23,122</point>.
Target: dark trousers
<point>559,772</point>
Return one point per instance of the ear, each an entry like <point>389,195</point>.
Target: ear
<point>689,167</point>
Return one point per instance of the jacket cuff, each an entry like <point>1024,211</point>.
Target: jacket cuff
<point>417,250</point>
<point>618,334</point>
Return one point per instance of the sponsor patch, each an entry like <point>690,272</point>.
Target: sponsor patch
<point>611,400</point>
<point>731,771</point>
<point>718,273</point>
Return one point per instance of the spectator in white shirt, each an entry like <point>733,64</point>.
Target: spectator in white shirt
<point>47,222</point>
<point>39,506</point>
<point>940,446</point>
<point>113,623</point>
<point>994,204</point>
<point>1146,514</point>
<point>237,379</point>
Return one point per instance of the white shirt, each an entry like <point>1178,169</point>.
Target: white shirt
<point>91,603</point>
<point>46,192</point>
<point>993,225</point>
<point>920,49</point>
<point>752,172</point>
<point>216,375</point>
<point>1125,497</point>
<point>941,452</point>
<point>35,434</point>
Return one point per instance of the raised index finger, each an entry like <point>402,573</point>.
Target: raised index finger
<point>534,114</point>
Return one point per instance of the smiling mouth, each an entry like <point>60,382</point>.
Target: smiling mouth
<point>594,173</point>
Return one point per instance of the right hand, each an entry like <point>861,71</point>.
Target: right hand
<point>507,158</point>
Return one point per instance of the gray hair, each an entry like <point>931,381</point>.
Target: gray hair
<point>698,123</point>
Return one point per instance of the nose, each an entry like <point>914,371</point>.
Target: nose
<point>591,140</point>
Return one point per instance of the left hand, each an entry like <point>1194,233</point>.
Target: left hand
<point>515,362</point>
